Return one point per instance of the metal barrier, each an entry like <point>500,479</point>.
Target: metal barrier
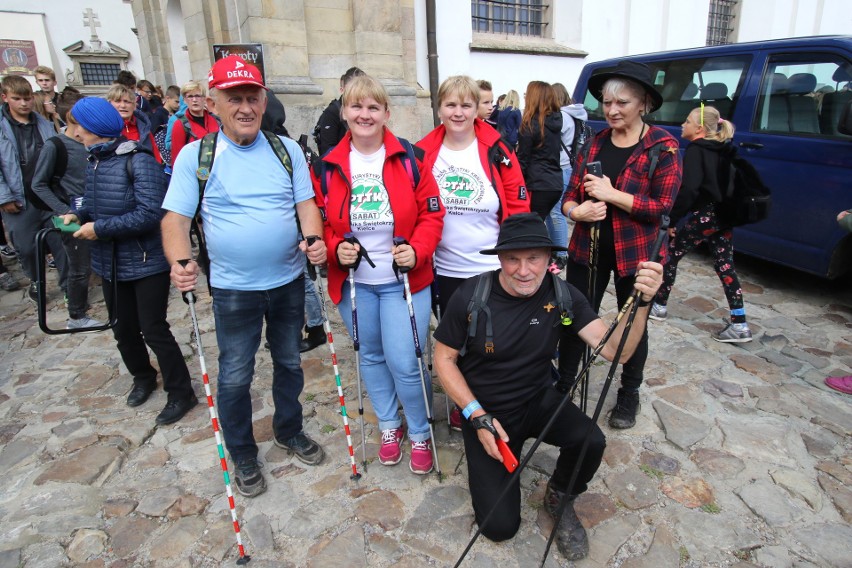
<point>41,282</point>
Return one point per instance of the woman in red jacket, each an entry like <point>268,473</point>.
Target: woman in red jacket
<point>481,184</point>
<point>366,184</point>
<point>196,122</point>
<point>137,124</point>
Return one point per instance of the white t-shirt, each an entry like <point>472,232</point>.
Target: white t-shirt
<point>471,223</point>
<point>370,216</point>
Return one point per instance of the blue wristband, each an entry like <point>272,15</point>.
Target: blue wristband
<point>471,408</point>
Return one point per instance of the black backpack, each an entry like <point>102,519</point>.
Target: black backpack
<point>745,199</point>
<point>479,303</point>
<point>583,134</point>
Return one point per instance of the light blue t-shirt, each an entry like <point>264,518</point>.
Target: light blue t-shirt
<point>248,210</point>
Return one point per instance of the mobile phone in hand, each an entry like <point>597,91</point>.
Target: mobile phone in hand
<point>510,462</point>
<point>595,169</point>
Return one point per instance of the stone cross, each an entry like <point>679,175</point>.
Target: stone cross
<point>90,20</point>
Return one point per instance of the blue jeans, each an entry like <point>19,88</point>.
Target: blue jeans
<point>557,224</point>
<point>312,301</point>
<point>239,319</point>
<point>388,360</point>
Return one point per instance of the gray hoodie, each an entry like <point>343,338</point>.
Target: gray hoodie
<point>576,110</point>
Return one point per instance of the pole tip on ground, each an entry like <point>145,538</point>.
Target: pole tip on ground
<point>243,560</point>
<point>355,476</point>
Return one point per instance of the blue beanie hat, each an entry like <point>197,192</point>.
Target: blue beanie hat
<point>98,116</point>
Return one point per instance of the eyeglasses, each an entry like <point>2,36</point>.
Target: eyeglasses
<point>194,97</point>
<point>148,92</point>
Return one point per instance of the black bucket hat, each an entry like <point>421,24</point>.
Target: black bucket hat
<point>523,231</point>
<point>633,70</point>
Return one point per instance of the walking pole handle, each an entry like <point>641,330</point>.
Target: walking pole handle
<point>312,270</point>
<point>188,297</point>
<point>396,242</point>
<point>657,247</point>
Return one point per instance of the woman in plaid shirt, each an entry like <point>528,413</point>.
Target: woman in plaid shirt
<point>624,207</point>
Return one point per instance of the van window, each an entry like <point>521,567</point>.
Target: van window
<point>684,83</point>
<point>804,94</point>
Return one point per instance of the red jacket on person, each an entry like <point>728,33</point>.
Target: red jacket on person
<point>506,179</point>
<point>418,213</point>
<point>179,138</point>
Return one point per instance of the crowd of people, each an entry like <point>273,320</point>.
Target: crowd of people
<point>468,224</point>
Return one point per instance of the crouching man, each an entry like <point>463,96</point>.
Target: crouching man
<point>501,375</point>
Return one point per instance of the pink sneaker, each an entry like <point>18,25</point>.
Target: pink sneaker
<point>421,457</point>
<point>391,451</point>
<point>842,384</point>
<point>455,419</point>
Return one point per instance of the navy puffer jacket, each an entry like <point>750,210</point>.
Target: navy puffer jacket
<point>126,212</point>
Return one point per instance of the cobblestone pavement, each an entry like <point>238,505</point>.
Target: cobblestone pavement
<point>740,456</point>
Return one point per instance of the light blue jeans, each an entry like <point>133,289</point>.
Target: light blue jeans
<point>312,300</point>
<point>388,359</point>
<point>557,224</point>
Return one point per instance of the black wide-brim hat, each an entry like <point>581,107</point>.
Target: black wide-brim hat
<point>523,231</point>
<point>633,70</point>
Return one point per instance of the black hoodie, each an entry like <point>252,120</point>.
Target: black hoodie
<point>704,164</point>
<point>540,159</point>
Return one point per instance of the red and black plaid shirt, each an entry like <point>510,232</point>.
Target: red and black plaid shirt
<point>634,232</point>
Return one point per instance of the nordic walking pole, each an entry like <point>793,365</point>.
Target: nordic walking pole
<point>214,420</point>
<point>632,304</point>
<point>437,300</point>
<point>565,400</point>
<point>419,352</point>
<point>593,168</point>
<point>356,345</point>
<point>312,273</point>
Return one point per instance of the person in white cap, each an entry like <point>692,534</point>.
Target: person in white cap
<point>251,209</point>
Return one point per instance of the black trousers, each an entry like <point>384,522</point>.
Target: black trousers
<point>142,306</point>
<point>542,202</point>
<point>632,372</point>
<point>487,477</point>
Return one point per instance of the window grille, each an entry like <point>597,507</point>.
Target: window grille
<point>523,17</point>
<point>99,73</point>
<point>719,24</point>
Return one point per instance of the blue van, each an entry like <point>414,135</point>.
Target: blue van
<point>786,99</point>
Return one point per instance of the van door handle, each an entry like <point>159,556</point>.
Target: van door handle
<point>755,145</point>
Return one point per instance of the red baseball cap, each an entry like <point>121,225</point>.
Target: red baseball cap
<point>233,71</point>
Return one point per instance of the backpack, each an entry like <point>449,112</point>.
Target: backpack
<point>206,155</point>
<point>318,127</point>
<point>409,162</point>
<point>479,303</point>
<point>746,199</point>
<point>162,144</point>
<point>59,169</point>
<point>583,134</point>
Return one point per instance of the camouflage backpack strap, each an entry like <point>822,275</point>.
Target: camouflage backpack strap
<point>280,151</point>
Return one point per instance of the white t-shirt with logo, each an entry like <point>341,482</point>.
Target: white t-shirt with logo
<point>370,216</point>
<point>470,224</point>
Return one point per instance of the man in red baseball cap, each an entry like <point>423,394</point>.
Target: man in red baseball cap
<point>251,209</point>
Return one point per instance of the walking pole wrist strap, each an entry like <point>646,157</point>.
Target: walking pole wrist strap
<point>484,421</point>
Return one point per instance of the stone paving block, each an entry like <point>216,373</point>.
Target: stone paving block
<point>682,429</point>
<point>770,503</point>
<point>823,539</point>
<point>177,539</point>
<point>633,489</point>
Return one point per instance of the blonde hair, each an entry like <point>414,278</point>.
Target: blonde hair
<point>119,91</point>
<point>44,70</point>
<point>190,86</point>
<point>461,86</point>
<point>512,100</point>
<point>365,87</point>
<point>39,99</point>
<point>715,127</point>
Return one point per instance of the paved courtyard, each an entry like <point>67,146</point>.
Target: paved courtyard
<point>740,456</point>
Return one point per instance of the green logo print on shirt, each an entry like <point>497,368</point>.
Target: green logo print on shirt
<point>369,204</point>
